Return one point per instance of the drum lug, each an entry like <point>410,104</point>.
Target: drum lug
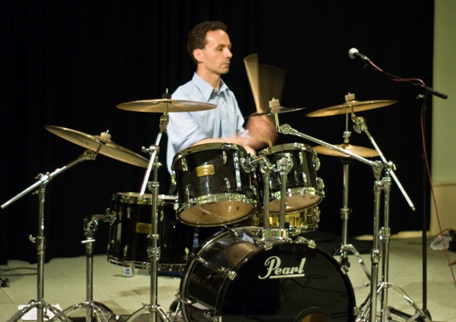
<point>237,169</point>
<point>321,186</point>
<point>230,274</point>
<point>224,157</point>
<point>180,299</point>
<point>296,176</point>
<point>304,178</point>
<point>184,165</point>
<point>227,185</point>
<point>188,191</point>
<point>211,316</point>
<point>232,231</point>
<point>301,240</point>
<point>201,260</point>
<point>316,163</point>
<point>311,243</point>
<point>316,215</point>
<point>301,158</point>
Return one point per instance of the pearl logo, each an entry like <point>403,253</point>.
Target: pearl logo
<point>274,269</point>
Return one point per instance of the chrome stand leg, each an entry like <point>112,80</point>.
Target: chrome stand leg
<point>41,306</point>
<point>345,212</point>
<point>95,311</point>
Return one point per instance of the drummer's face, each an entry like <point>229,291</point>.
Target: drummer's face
<point>215,56</point>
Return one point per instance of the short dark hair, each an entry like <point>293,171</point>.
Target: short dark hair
<point>197,36</point>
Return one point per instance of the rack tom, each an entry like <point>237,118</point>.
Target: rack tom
<point>214,185</point>
<point>303,188</point>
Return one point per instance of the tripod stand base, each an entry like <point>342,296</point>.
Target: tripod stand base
<point>95,310</point>
<point>161,314</point>
<point>420,315</point>
<point>58,315</point>
<point>345,264</point>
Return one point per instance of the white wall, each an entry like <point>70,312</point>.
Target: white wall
<point>444,116</point>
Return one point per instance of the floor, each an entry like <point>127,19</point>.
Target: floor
<point>65,284</point>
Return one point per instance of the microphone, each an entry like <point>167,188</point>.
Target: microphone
<point>354,53</point>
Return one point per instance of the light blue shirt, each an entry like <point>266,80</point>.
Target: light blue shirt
<point>186,128</point>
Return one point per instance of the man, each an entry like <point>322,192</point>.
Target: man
<point>210,47</point>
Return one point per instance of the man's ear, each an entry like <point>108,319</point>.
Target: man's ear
<point>198,54</point>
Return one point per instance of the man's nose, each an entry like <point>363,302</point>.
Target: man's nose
<point>228,53</point>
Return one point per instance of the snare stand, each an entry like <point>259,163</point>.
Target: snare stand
<point>43,179</point>
<point>102,312</point>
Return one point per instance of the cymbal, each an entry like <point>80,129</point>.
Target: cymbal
<point>101,143</point>
<point>358,150</point>
<point>165,105</point>
<point>346,107</point>
<point>278,110</point>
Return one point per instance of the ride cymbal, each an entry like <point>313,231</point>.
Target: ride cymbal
<point>358,150</point>
<point>279,110</point>
<point>101,143</point>
<point>165,105</point>
<point>346,107</point>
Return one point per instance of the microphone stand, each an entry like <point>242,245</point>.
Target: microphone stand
<point>428,90</point>
<point>40,188</point>
<point>384,235</point>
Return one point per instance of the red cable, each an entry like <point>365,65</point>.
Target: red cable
<point>433,195</point>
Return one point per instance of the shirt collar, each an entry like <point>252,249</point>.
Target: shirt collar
<point>205,88</point>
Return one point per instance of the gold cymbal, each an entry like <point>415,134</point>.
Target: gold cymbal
<point>101,143</point>
<point>346,107</point>
<point>278,110</point>
<point>165,105</point>
<point>358,150</point>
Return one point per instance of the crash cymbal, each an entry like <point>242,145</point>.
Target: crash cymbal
<point>165,105</point>
<point>101,143</point>
<point>279,110</point>
<point>346,107</point>
<point>358,150</point>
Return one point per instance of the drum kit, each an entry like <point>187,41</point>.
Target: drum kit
<point>277,192</point>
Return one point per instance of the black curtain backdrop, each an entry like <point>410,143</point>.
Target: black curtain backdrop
<point>68,63</point>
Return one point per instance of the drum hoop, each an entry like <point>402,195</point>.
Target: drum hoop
<point>216,198</point>
<point>288,147</point>
<point>134,198</point>
<point>292,192</point>
<point>207,147</point>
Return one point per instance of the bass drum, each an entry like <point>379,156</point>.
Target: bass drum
<point>233,276</point>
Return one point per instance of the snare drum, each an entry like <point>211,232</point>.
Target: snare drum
<point>128,240</point>
<point>303,188</point>
<point>235,277</point>
<point>296,222</point>
<point>214,187</point>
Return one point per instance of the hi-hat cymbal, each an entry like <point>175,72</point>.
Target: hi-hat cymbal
<point>101,143</point>
<point>279,110</point>
<point>346,107</point>
<point>165,105</point>
<point>358,150</point>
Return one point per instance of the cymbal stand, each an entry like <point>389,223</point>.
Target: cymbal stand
<point>101,312</point>
<point>43,179</point>
<point>384,235</point>
<point>153,250</point>
<point>345,212</point>
<point>376,167</point>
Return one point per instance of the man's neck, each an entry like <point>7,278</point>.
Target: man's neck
<point>212,79</point>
